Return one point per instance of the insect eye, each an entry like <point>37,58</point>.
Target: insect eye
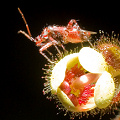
<point>85,37</point>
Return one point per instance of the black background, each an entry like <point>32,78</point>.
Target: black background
<point>21,84</point>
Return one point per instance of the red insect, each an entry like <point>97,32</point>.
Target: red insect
<point>57,36</point>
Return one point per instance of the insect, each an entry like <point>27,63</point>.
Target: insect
<point>57,36</point>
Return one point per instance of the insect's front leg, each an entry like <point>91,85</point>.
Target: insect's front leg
<point>73,24</point>
<point>47,45</point>
<point>29,37</point>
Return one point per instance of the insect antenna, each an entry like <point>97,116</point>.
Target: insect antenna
<point>25,22</point>
<point>28,30</point>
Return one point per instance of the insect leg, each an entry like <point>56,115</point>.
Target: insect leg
<point>46,57</point>
<point>47,45</point>
<point>54,42</point>
<point>49,52</point>
<point>58,50</point>
<point>29,37</point>
<point>72,24</point>
<point>63,47</point>
<point>90,43</point>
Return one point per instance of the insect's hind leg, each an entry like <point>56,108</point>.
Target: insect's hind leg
<point>73,23</point>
